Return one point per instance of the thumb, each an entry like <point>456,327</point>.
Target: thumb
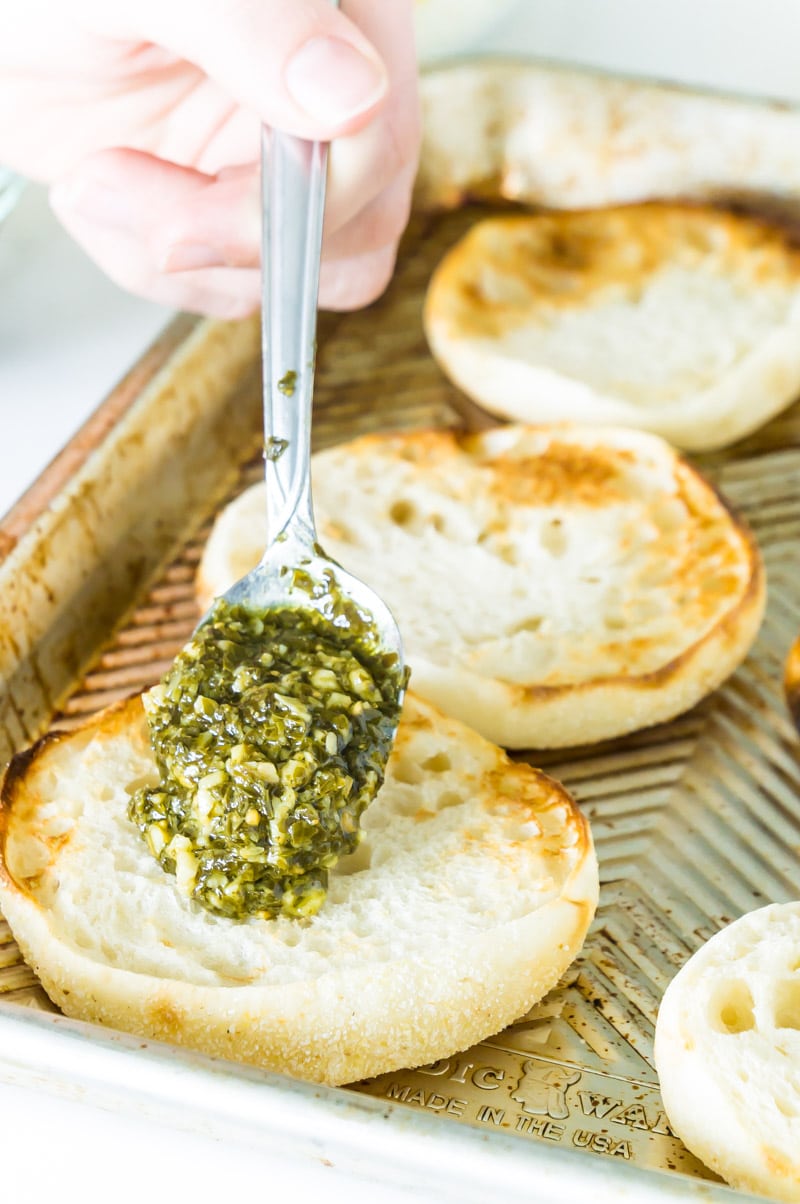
<point>301,66</point>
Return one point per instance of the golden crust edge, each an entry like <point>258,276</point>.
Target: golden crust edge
<point>791,682</point>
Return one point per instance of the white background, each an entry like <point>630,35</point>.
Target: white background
<point>67,334</point>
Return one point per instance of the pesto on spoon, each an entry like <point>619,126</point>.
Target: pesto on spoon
<point>272,728</point>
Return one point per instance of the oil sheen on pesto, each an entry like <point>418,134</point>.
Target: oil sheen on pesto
<point>271,733</point>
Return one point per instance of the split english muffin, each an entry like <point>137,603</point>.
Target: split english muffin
<point>791,682</point>
<point>469,895</point>
<point>553,586</point>
<point>681,320</point>
<point>727,1051</point>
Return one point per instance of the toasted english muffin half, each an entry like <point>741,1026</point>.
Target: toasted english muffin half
<point>470,894</point>
<point>571,138</point>
<point>727,1051</point>
<point>791,682</point>
<point>553,586</point>
<point>684,321</point>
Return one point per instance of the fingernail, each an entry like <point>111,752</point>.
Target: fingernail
<point>332,81</point>
<point>190,257</point>
<point>94,202</point>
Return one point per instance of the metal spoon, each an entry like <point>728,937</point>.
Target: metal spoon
<point>293,202</point>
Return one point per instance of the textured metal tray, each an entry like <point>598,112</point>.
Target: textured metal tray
<point>695,822</point>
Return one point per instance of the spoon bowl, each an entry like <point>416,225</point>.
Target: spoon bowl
<point>294,574</point>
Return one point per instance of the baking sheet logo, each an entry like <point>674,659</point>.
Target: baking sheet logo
<point>554,1079</point>
<point>542,1089</point>
<point>559,1104</point>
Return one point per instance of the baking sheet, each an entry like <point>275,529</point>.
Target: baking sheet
<point>695,821</point>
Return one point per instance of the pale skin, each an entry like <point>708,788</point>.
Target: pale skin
<point>144,118</point>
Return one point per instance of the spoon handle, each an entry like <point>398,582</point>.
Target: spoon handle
<point>293,205</point>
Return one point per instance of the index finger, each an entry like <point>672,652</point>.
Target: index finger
<point>362,165</point>
<point>302,66</point>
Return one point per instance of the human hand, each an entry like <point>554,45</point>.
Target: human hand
<point>145,120</point>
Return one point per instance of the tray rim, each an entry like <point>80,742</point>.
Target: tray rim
<point>362,1135</point>
<point>67,463</point>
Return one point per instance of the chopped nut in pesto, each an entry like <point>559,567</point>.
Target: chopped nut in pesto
<point>274,448</point>
<point>271,733</point>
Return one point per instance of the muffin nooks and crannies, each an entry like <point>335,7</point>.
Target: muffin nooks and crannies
<point>727,1051</point>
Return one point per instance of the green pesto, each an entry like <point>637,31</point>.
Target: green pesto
<point>271,733</point>
<point>288,383</point>
<point>274,448</point>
